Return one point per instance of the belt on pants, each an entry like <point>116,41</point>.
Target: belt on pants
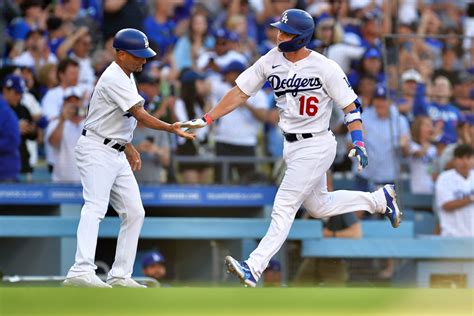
<point>106,141</point>
<point>290,137</point>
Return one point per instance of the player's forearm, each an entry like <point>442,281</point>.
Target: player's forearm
<point>454,205</point>
<point>154,123</point>
<point>228,103</point>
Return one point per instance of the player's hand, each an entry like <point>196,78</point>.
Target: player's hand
<point>178,131</point>
<point>360,152</point>
<point>133,157</point>
<point>192,124</point>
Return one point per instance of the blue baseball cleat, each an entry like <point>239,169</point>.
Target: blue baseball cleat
<point>241,270</point>
<point>392,212</point>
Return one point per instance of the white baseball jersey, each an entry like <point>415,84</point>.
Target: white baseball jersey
<point>114,94</point>
<point>452,186</point>
<point>303,90</point>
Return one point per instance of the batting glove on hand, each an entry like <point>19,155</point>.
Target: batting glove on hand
<point>196,123</point>
<point>360,152</point>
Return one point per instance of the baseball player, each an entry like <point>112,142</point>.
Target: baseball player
<point>305,85</point>
<point>106,160</point>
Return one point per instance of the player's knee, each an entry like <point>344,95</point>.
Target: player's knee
<point>137,215</point>
<point>94,210</point>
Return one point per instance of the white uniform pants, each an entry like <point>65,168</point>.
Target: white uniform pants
<point>106,173</point>
<point>304,183</point>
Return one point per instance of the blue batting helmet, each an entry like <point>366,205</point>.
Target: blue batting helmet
<point>133,42</point>
<point>299,23</point>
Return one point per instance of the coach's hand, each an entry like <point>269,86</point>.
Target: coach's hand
<point>178,131</point>
<point>360,152</point>
<point>133,157</point>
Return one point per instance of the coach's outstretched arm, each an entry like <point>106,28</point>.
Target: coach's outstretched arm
<point>231,100</point>
<point>139,113</point>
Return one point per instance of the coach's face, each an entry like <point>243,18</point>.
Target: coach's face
<point>131,63</point>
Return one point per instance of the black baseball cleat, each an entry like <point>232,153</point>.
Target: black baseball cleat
<point>392,212</point>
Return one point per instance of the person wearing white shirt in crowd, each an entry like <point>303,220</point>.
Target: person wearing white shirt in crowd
<point>422,156</point>
<point>63,132</point>
<point>455,195</point>
<point>241,141</point>
<point>52,102</point>
<point>37,52</point>
<point>81,53</point>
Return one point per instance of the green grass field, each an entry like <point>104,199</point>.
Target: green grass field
<point>235,301</point>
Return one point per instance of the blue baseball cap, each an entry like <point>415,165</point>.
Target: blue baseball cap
<point>372,53</point>
<point>14,82</point>
<point>380,92</point>
<point>274,265</point>
<point>151,258</point>
<point>190,76</point>
<point>235,66</point>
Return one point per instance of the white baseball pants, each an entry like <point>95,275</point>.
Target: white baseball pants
<point>106,173</point>
<point>304,183</point>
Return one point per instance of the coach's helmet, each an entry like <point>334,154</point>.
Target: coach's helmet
<point>298,22</point>
<point>133,42</point>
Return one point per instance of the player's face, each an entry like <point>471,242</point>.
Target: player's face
<point>284,37</point>
<point>132,63</point>
<point>156,271</point>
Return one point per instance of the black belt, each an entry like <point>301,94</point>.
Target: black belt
<point>115,146</point>
<point>290,137</point>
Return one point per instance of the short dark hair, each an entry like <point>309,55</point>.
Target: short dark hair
<point>64,64</point>
<point>463,150</point>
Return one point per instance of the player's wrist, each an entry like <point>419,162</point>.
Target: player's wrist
<point>207,118</point>
<point>357,138</point>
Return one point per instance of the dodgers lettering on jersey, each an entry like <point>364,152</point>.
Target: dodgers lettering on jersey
<point>304,90</point>
<point>114,94</point>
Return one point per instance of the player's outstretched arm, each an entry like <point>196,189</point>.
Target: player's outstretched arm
<point>152,122</point>
<point>353,121</point>
<point>231,100</point>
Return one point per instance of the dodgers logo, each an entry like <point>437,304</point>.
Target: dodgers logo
<point>293,85</point>
<point>284,18</point>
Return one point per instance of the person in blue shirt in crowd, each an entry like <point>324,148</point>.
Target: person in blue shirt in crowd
<point>387,136</point>
<point>9,143</point>
<point>370,64</point>
<point>439,109</point>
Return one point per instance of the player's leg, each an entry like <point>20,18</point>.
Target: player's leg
<point>125,199</point>
<point>98,168</point>
<point>306,161</point>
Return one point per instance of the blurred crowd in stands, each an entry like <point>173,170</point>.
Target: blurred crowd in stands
<point>410,62</point>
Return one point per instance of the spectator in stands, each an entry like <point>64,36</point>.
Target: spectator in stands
<point>37,52</point>
<point>47,78</point>
<point>422,156</point>
<point>450,66</point>
<point>270,39</point>
<point>33,19</point>
<point>192,103</point>
<point>371,64</point>
<point>81,50</point>
<point>161,28</point>
<point>387,137</point>
<point>430,24</point>
<point>153,265</point>
<point>272,274</point>
<point>465,131</point>
<point>223,53</point>
<point>410,78</point>
<point>462,93</point>
<point>63,133</point>
<point>240,141</point>
<point>68,76</point>
<point>439,109</point>
<point>10,162</point>
<point>120,14</point>
<point>154,149</point>
<point>13,88</point>
<point>192,44</point>
<point>455,195</point>
<point>366,89</point>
